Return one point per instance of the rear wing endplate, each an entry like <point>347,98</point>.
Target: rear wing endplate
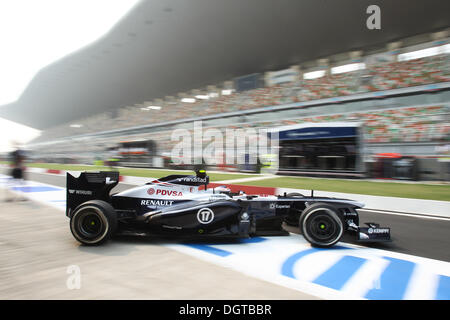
<point>89,186</point>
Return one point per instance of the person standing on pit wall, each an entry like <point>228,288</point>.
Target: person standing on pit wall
<point>443,152</point>
<point>112,158</point>
<point>269,163</point>
<point>17,158</point>
<point>17,164</point>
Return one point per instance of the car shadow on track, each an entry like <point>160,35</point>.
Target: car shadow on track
<point>351,239</point>
<point>120,245</point>
<point>123,245</point>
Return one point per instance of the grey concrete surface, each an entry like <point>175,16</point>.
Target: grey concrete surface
<point>37,248</point>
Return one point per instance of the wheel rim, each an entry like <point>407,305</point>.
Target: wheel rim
<point>321,227</point>
<point>90,225</point>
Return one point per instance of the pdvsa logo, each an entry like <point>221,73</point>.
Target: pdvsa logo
<point>169,193</point>
<point>161,192</point>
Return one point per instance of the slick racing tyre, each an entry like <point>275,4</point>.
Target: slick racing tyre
<point>295,194</point>
<point>93,222</point>
<point>321,225</point>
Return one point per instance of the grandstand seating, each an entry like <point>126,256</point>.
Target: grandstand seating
<point>382,126</point>
<point>406,124</point>
<point>413,124</point>
<point>402,125</point>
<point>416,124</point>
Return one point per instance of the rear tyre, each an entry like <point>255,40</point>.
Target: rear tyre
<point>93,222</point>
<point>321,225</point>
<point>295,194</point>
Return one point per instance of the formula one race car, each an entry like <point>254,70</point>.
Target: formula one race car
<point>183,206</point>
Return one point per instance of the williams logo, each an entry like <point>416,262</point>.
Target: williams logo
<point>81,192</point>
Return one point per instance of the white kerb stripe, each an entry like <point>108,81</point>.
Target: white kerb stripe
<point>422,285</point>
<point>366,278</point>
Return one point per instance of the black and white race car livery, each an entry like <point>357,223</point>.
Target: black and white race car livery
<point>183,206</point>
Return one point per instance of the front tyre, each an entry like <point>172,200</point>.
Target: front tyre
<point>93,222</point>
<point>321,225</point>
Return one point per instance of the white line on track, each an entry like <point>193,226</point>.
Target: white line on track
<point>264,177</point>
<point>406,214</point>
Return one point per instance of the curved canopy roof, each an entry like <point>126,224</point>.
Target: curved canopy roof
<point>163,47</point>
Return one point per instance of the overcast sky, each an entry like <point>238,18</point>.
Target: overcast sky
<point>36,33</point>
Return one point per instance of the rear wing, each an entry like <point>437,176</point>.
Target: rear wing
<point>89,186</point>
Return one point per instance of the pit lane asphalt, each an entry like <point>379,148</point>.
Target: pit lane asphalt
<point>40,260</point>
<point>419,236</point>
